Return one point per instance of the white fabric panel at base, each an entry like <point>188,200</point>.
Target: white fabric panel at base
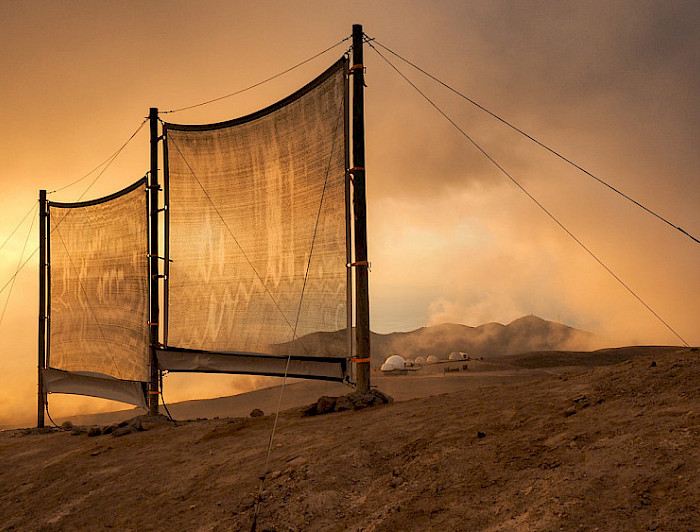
<point>254,364</point>
<point>105,387</point>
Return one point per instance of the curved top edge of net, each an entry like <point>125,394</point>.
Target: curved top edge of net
<point>103,199</point>
<point>340,63</point>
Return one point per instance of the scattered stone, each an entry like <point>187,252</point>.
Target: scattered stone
<point>343,403</point>
<point>133,426</point>
<point>256,412</point>
<point>94,431</point>
<point>325,405</point>
<point>653,364</point>
<point>361,399</point>
<point>109,429</point>
<point>569,412</point>
<point>67,425</point>
<point>36,430</point>
<point>122,431</point>
<point>353,401</point>
<point>480,434</point>
<point>148,422</point>
<point>77,431</point>
<point>122,424</point>
<point>370,398</point>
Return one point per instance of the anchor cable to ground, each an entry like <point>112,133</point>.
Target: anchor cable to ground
<point>529,195</point>
<point>533,139</point>
<point>240,91</point>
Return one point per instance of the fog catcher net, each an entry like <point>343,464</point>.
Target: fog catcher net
<point>98,295</point>
<point>257,238</point>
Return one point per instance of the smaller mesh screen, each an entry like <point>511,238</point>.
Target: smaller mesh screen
<point>98,282</point>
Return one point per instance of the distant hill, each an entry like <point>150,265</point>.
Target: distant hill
<point>525,334</point>
<point>529,333</point>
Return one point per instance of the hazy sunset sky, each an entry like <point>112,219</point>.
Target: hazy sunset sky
<point>614,85</point>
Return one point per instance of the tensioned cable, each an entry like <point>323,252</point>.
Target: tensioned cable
<point>245,255</point>
<point>18,225</point>
<point>17,272</point>
<point>46,407</point>
<point>19,263</point>
<point>544,209</point>
<point>108,161</point>
<point>163,398</point>
<point>111,160</point>
<point>259,82</point>
<point>87,300</point>
<point>533,139</point>
<point>296,324</point>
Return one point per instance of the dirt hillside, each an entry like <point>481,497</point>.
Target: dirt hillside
<point>605,448</point>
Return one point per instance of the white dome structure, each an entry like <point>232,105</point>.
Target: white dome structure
<point>459,355</point>
<point>432,359</point>
<point>420,360</point>
<point>392,363</point>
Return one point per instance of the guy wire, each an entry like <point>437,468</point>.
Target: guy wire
<point>259,82</point>
<point>18,225</point>
<point>529,195</point>
<point>19,265</point>
<point>46,407</point>
<point>107,161</point>
<point>296,325</point>
<point>163,398</point>
<point>533,139</point>
<point>87,300</point>
<point>245,255</point>
<point>111,159</point>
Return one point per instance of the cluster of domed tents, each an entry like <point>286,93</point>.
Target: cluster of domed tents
<point>399,363</point>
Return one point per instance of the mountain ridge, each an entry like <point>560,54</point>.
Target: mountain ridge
<point>524,334</point>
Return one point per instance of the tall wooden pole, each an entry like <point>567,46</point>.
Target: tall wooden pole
<point>153,264</point>
<point>360,209</point>
<point>41,396</point>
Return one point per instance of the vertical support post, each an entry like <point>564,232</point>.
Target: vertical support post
<point>360,209</point>
<point>348,220</point>
<point>153,264</point>
<point>41,396</point>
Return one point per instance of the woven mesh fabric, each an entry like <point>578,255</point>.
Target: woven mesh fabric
<point>99,285</point>
<point>250,201</point>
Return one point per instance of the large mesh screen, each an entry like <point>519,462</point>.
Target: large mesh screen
<point>257,228</point>
<point>99,285</point>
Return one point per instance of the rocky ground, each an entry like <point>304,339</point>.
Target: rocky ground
<point>603,448</point>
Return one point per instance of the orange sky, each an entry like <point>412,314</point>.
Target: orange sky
<point>613,85</point>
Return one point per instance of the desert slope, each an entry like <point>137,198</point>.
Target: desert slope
<point>604,448</point>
